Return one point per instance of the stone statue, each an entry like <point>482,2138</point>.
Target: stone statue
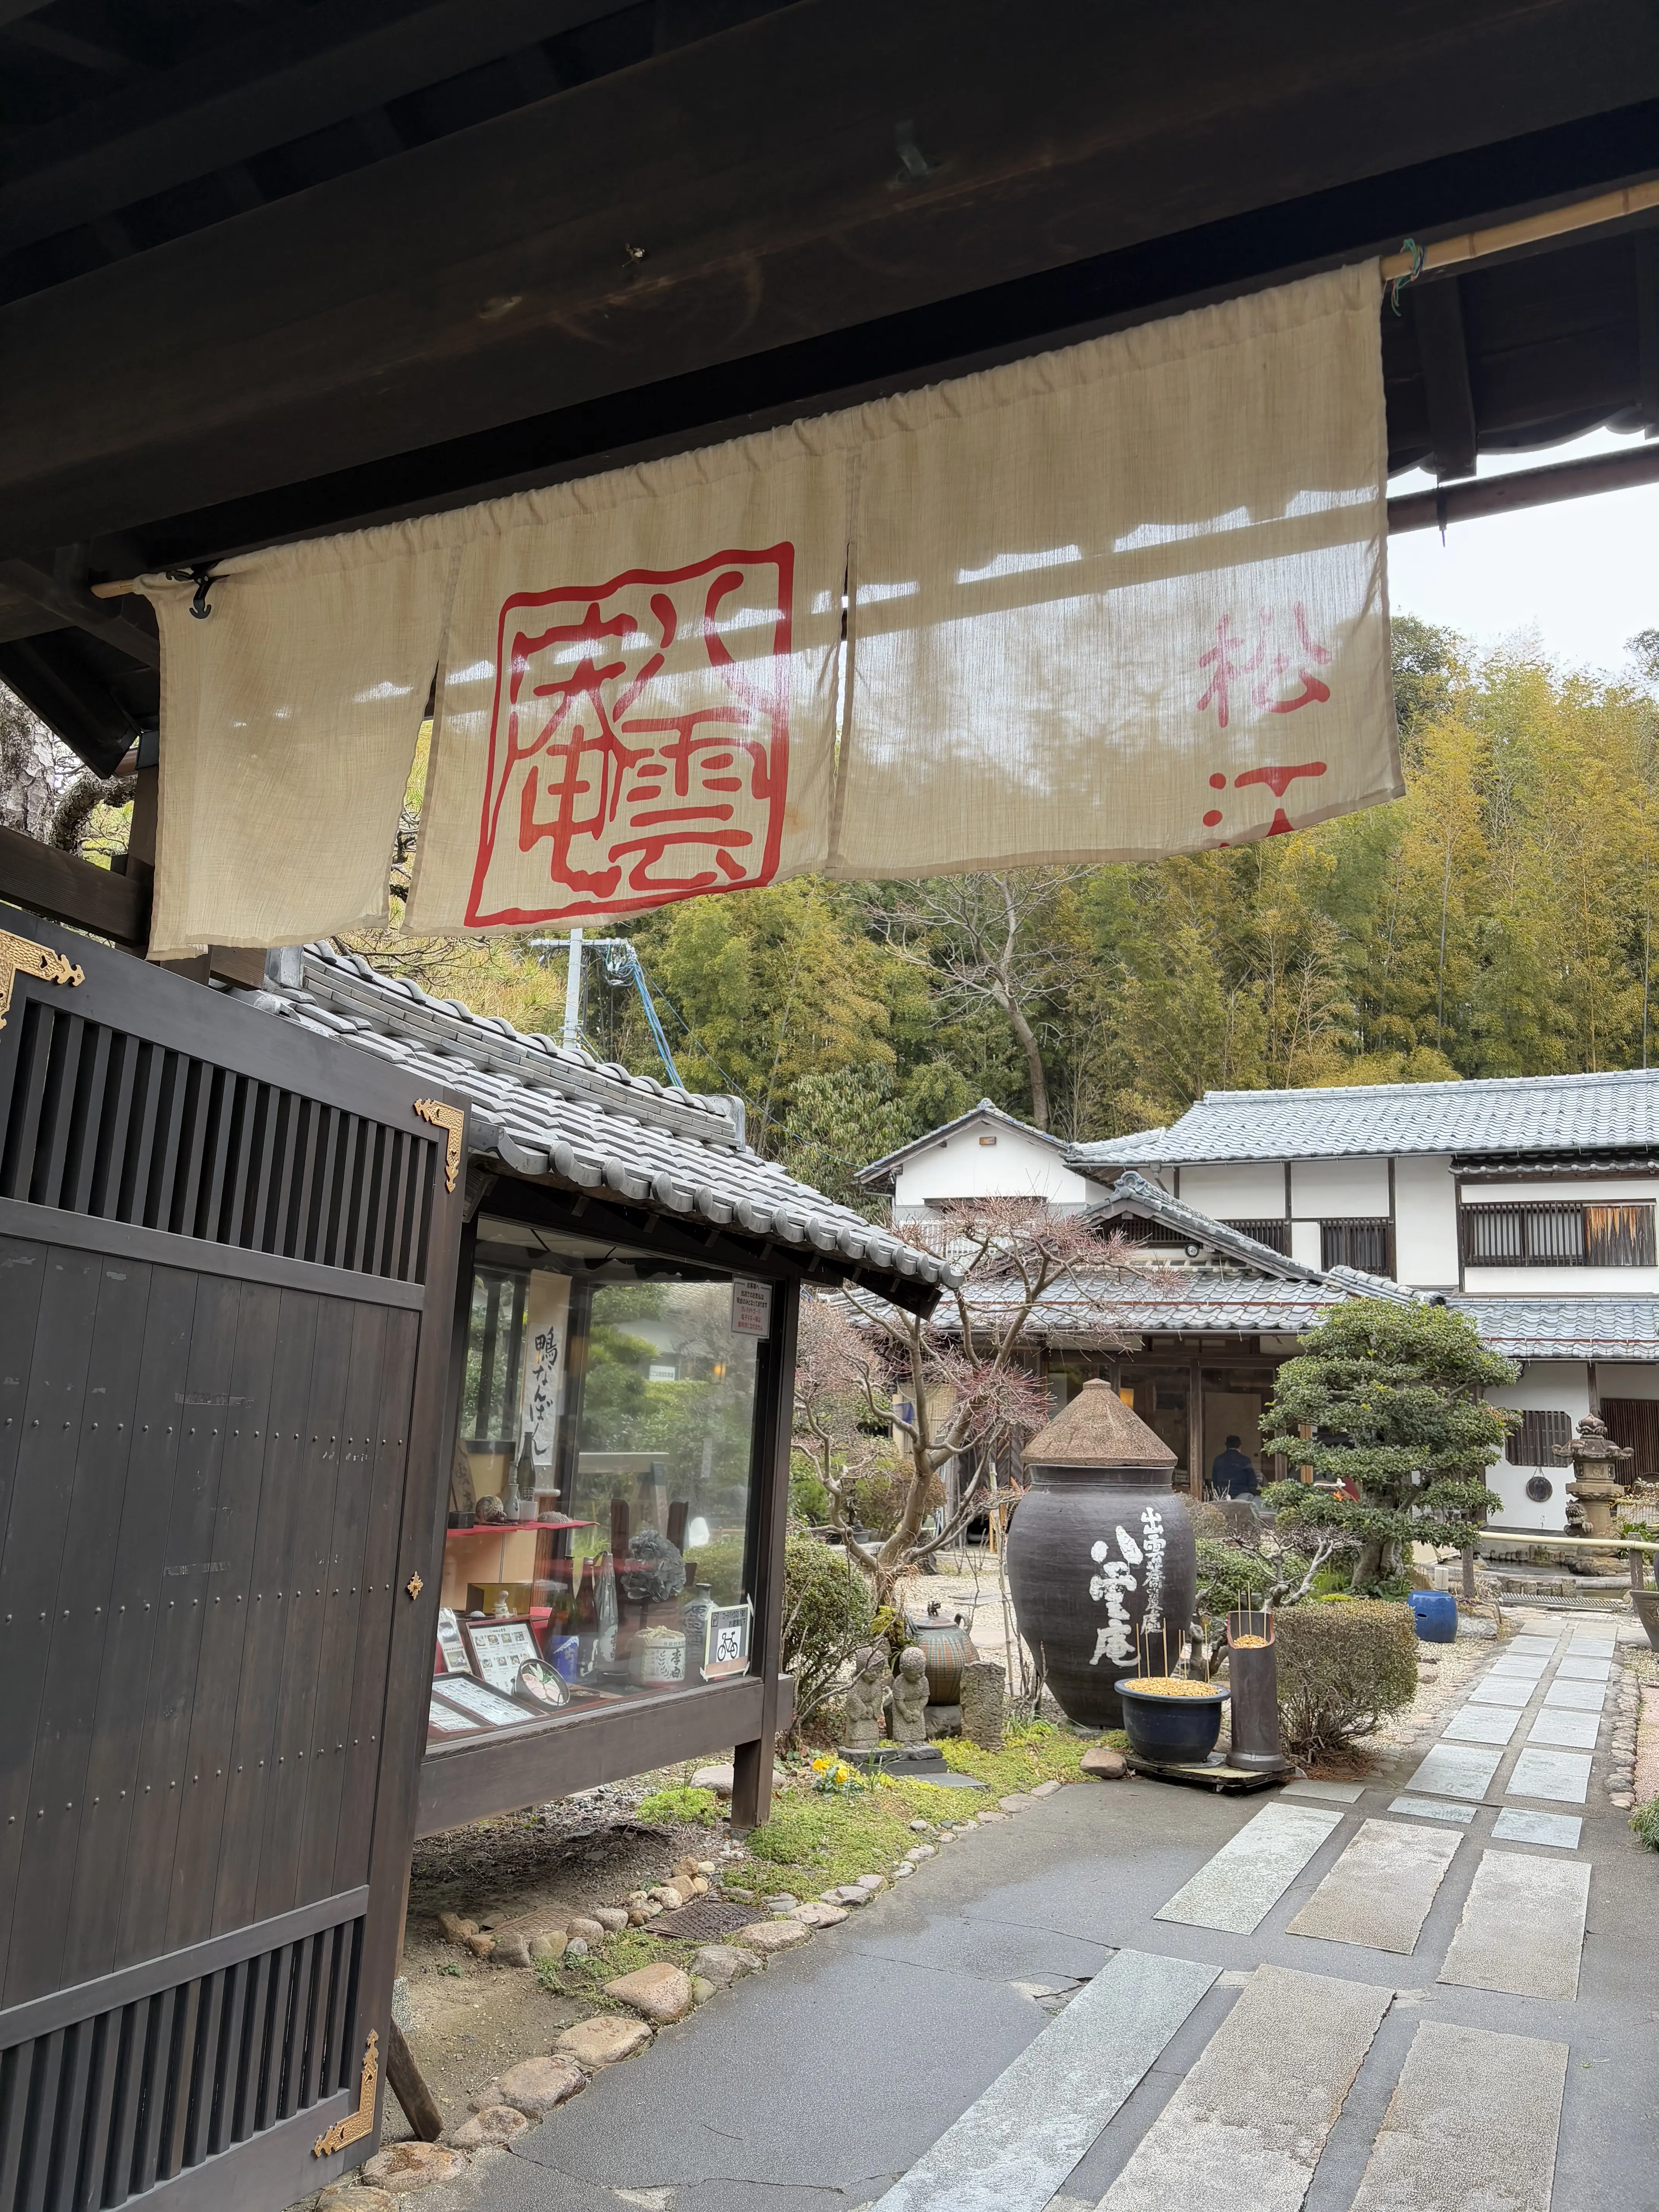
<point>908,1722</point>
<point>984,1703</point>
<point>862,1699</point>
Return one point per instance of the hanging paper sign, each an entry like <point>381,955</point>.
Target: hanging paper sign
<point>730,1633</point>
<point>751,1307</point>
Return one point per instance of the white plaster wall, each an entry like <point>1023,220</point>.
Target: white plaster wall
<point>1340,1190</point>
<point>1306,1244</point>
<point>1560,1282</point>
<point>1015,1166</point>
<point>1425,1222</point>
<point>1559,1386</point>
<point>1245,1190</point>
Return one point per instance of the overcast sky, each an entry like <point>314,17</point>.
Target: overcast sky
<point>1581,575</point>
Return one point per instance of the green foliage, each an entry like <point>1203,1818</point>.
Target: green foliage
<point>827,1614</point>
<point>809,1501</point>
<point>1032,1752</point>
<point>686,1805</point>
<point>1645,1821</point>
<point>838,1122</point>
<point>1391,1392</point>
<point>1342,1669</point>
<point>1234,1575</point>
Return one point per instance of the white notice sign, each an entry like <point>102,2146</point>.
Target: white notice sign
<point>751,1307</point>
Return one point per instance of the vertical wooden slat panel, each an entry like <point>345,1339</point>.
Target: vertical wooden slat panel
<point>183,1589</point>
<point>228,1092</point>
<point>149,1076</point>
<point>181,2055</point>
<point>255,1130</point>
<point>57,1109</point>
<point>15,2066</point>
<point>172,1092</point>
<point>153,2040</point>
<point>109,1150</point>
<point>93,2158</point>
<point>28,1092</point>
<point>211,1754</point>
<point>321,1431</point>
<point>103,1865</point>
<point>74,1188</point>
<point>253,1768</point>
<point>73,1638</point>
<point>125,2060</point>
<point>34,1544</point>
<point>342,1603</point>
<point>339,1992</point>
<point>319,1190</point>
<point>204,2068</point>
<point>203,1088</point>
<point>45,2077</point>
<point>279,2005</point>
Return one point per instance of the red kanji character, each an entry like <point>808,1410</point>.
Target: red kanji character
<point>633,748</point>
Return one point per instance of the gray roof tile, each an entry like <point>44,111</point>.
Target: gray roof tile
<point>1518,1115</point>
<point>542,1110</point>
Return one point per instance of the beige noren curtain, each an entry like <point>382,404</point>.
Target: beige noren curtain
<point>1110,603</point>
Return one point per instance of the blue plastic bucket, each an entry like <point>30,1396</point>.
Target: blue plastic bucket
<point>1435,1613</point>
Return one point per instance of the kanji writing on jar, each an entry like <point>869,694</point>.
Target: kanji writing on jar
<point>639,748</point>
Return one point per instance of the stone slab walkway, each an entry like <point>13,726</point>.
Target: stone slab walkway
<point>1131,1996</point>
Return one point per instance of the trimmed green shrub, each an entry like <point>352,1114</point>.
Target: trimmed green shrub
<point>1342,1669</point>
<point>827,1612</point>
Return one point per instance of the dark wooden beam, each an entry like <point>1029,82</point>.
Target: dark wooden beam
<point>485,279</point>
<point>281,82</point>
<point>1647,327</point>
<point>1522,487</point>
<point>65,888</point>
<point>1438,312</point>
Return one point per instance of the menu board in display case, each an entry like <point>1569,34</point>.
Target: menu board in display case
<point>499,1648</point>
<point>452,1645</point>
<point>483,1702</point>
<point>443,1720</point>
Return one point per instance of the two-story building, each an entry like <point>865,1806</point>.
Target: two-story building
<point>1528,1203</point>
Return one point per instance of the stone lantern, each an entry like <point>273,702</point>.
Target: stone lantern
<point>1595,1491</point>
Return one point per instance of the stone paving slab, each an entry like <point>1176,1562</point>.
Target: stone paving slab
<point>1493,1690</point>
<point>1559,1831</point>
<point>1535,1646</point>
<point>1473,2121</point>
<point>1572,1731</point>
<point>1244,2130</point>
<point>1592,1647</point>
<point>1379,1891</point>
<point>1526,1666</point>
<point>1010,2149</point>
<point>1481,1724</point>
<point>1334,1792</point>
<point>1239,1887</point>
<point>1563,1776</point>
<point>1583,1670</point>
<point>1576,1696</point>
<point>1434,1809</point>
<point>1456,1769</point>
<point>1523,1929</point>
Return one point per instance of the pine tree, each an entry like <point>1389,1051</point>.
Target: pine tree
<point>1384,1398</point>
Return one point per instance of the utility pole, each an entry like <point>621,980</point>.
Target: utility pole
<point>572,1037</point>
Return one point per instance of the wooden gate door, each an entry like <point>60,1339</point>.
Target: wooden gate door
<point>226,1258</point>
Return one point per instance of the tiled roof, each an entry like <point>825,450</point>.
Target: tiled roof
<point>880,1173</point>
<point>1138,1303</point>
<point>1520,1114</point>
<point>1151,1201</point>
<point>541,1110</point>
<point>1610,1328</point>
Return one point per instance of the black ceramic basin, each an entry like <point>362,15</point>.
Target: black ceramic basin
<point>1174,1730</point>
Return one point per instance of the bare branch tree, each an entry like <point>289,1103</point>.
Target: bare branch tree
<point>956,1389</point>
<point>979,935</point>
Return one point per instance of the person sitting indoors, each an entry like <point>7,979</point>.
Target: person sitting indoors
<point>1232,1475</point>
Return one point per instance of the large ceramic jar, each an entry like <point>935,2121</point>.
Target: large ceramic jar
<point>947,1647</point>
<point>1099,1547</point>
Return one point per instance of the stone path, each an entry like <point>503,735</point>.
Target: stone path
<point>1430,1990</point>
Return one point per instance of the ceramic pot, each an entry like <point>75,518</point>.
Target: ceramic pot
<point>948,1648</point>
<point>1099,1547</point>
<point>1172,1731</point>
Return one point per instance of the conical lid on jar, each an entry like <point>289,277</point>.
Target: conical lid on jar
<point>1097,1430</point>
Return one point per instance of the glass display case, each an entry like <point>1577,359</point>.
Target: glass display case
<point>600,1522</point>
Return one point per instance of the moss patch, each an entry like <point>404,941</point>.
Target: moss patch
<point>1039,1752</point>
<point>814,1842</point>
<point>625,1953</point>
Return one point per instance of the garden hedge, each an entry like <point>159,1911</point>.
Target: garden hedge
<point>1343,1668</point>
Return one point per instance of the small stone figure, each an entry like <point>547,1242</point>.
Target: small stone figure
<point>984,1703</point>
<point>907,1720</point>
<point>862,1700</point>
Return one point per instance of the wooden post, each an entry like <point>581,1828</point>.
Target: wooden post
<point>751,1775</point>
<point>1195,1428</point>
<point>409,2087</point>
